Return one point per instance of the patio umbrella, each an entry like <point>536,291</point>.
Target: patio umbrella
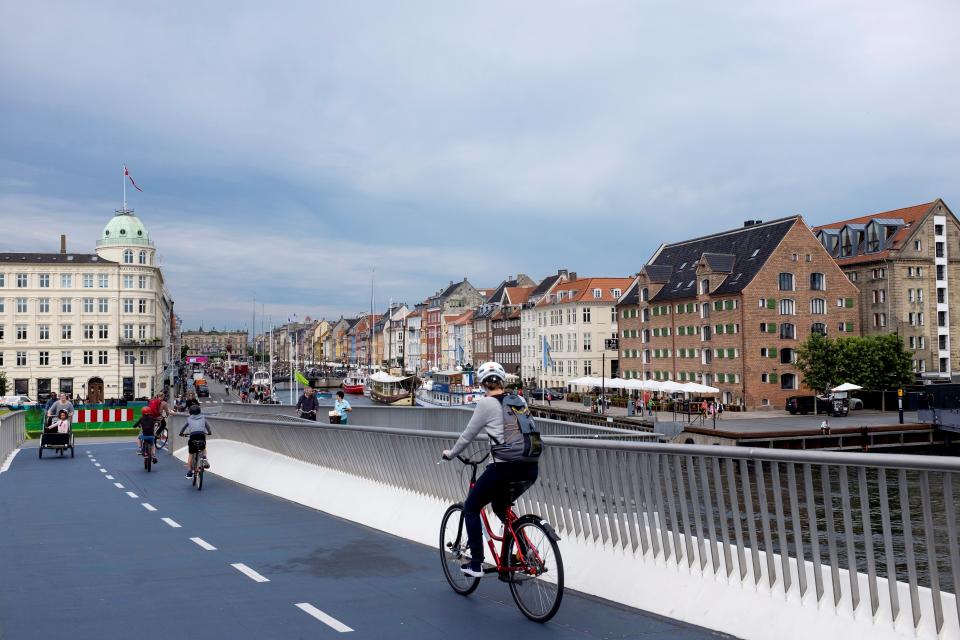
<point>847,386</point>
<point>696,387</point>
<point>670,386</point>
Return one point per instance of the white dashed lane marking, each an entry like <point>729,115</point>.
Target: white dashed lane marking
<point>102,470</point>
<point>250,573</point>
<point>132,494</point>
<point>148,506</point>
<point>109,477</point>
<point>330,621</point>
<point>118,485</point>
<point>203,544</point>
<point>171,522</point>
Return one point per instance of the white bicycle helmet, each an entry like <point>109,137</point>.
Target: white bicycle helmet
<point>491,370</point>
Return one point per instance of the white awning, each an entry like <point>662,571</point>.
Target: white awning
<point>847,386</point>
<point>382,376</point>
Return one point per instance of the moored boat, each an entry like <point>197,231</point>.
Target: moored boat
<point>390,389</point>
<point>354,383</point>
<point>450,389</point>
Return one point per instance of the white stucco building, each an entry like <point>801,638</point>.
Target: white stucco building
<point>95,325</point>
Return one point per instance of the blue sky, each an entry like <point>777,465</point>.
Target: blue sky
<point>286,150</point>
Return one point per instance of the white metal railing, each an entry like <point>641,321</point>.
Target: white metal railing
<point>792,521</point>
<point>12,432</point>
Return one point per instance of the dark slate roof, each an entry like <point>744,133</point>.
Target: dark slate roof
<point>659,272</point>
<point>632,294</point>
<point>450,289</point>
<point>750,246</point>
<point>721,262</point>
<point>544,286</point>
<point>497,296</point>
<point>53,258</point>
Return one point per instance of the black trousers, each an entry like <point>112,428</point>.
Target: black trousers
<point>494,488</point>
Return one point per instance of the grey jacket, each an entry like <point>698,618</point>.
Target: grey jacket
<point>196,424</point>
<point>488,416</point>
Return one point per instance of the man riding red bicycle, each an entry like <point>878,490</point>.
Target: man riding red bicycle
<point>513,470</point>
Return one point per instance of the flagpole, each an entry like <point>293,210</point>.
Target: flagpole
<point>123,178</point>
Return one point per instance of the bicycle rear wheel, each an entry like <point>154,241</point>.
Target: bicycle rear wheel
<point>162,437</point>
<point>147,458</point>
<point>454,551</point>
<point>537,587</point>
<point>198,474</point>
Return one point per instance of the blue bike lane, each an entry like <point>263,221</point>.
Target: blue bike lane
<point>96,547</point>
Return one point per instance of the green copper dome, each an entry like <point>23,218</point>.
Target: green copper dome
<point>124,228</point>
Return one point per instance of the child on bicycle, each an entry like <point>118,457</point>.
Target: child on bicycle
<point>148,425</point>
<point>502,480</point>
<point>198,429</point>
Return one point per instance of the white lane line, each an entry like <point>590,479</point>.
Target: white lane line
<point>96,464</point>
<point>102,470</point>
<point>330,621</point>
<point>109,477</point>
<point>88,451</point>
<point>118,485</point>
<point>94,460</point>
<point>132,495</point>
<point>203,544</point>
<point>148,506</point>
<point>250,573</point>
<point>171,522</point>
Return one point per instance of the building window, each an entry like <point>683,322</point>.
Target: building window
<point>788,381</point>
<point>127,256</point>
<point>852,276</point>
<point>587,342</point>
<point>818,306</point>
<point>879,320</point>
<point>597,294</point>
<point>66,305</point>
<point>66,332</point>
<point>43,332</point>
<point>705,286</point>
<point>587,367</point>
<point>142,282</point>
<point>941,318</point>
<point>44,358</point>
<point>143,257</point>
<point>88,281</point>
<point>943,365</point>
<point>43,305</point>
<point>88,332</point>
<point>104,281</point>
<point>21,281</point>
<point>938,229</point>
<point>644,294</point>
<point>103,331</point>
<point>88,357</point>
<point>21,333</point>
<point>128,305</point>
<point>142,306</point>
<point>785,282</point>
<point>818,327</point>
<point>21,305</point>
<point>880,295</point>
<point>88,305</point>
<point>787,307</point>
<point>128,358</point>
<point>941,295</point>
<point>103,357</point>
<point>44,280</point>
<point>66,281</point>
<point>787,331</point>
<point>66,358</point>
<point>128,332</point>
<point>128,282</point>
<point>103,305</point>
<point>586,314</point>
<point>940,249</point>
<point>942,342</point>
<point>818,282</point>
<point>21,358</point>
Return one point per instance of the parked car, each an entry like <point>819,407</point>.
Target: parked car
<point>18,402</point>
<point>804,405</point>
<point>543,394</point>
<point>558,394</point>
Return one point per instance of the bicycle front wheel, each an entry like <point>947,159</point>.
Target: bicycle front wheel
<point>162,437</point>
<point>455,552</point>
<point>537,584</point>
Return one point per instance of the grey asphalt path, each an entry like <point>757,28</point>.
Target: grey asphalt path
<point>79,559</point>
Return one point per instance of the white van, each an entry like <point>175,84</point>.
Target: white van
<point>17,402</point>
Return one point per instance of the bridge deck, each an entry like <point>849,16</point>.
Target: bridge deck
<point>80,558</point>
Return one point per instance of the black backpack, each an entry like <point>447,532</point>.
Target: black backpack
<point>521,438</point>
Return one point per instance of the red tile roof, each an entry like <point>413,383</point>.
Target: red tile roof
<point>581,290</point>
<point>519,295</point>
<point>909,215</point>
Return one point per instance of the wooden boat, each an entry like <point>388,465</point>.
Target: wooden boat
<point>354,383</point>
<point>450,389</point>
<point>393,390</point>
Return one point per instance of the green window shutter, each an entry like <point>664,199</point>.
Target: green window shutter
<point>729,328</point>
<point>716,305</point>
<point>849,326</point>
<point>771,327</point>
<point>848,303</point>
<point>728,304</point>
<point>718,329</point>
<point>772,352</point>
<point>729,353</point>
<point>689,307</point>
<point>771,303</point>
<point>773,378</point>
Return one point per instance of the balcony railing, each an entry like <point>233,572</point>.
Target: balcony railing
<point>141,342</point>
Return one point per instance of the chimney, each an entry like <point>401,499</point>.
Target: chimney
<point>573,275</point>
<point>562,272</point>
<point>63,243</point>
<point>750,223</point>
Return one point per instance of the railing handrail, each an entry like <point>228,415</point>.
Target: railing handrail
<point>886,461</point>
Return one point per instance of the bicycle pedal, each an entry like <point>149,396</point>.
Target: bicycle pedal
<point>490,569</point>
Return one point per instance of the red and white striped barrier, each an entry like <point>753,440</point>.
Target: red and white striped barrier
<point>102,415</point>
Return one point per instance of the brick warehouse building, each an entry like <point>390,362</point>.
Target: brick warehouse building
<point>730,309</point>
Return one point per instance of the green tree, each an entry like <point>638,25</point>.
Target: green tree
<point>184,350</point>
<point>816,361</point>
<point>3,383</point>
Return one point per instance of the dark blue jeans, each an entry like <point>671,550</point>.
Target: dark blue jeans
<point>494,487</point>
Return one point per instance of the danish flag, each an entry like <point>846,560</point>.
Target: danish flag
<point>127,173</point>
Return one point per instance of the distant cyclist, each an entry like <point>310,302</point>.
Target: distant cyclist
<point>502,479</point>
<point>148,432</point>
<point>198,430</point>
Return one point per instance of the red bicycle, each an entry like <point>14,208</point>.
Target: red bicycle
<point>528,559</point>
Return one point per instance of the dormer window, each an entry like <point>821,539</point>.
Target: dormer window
<point>615,293</point>
<point>754,254</point>
<point>597,294</point>
<point>644,294</point>
<point>873,238</point>
<point>682,266</point>
<point>705,286</point>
